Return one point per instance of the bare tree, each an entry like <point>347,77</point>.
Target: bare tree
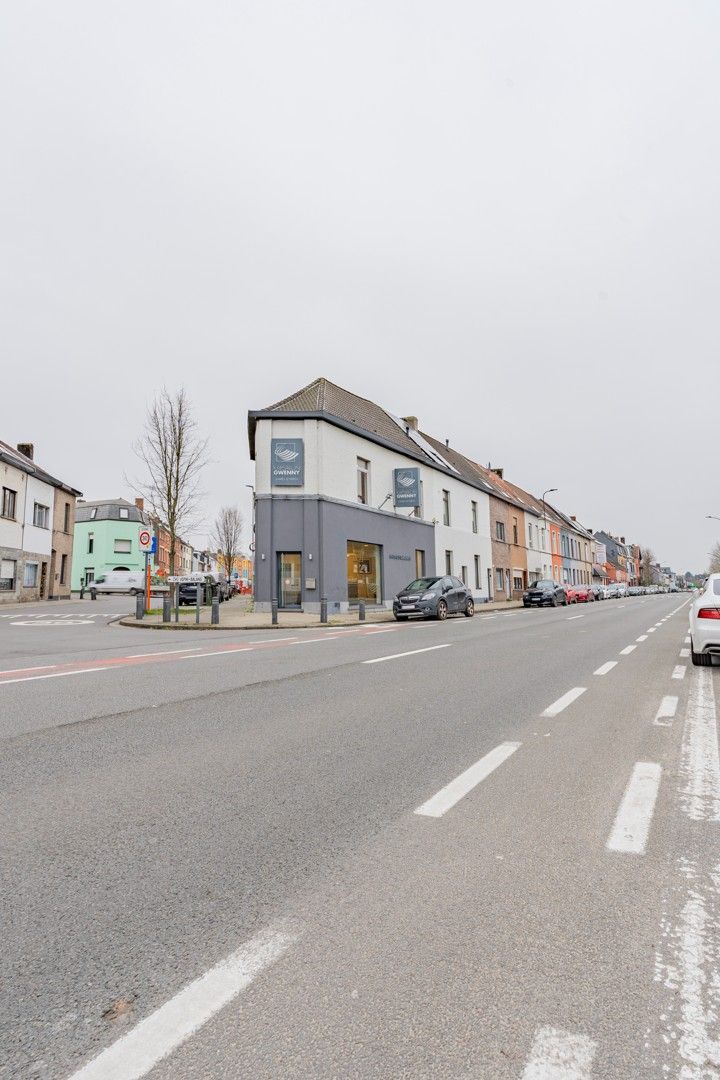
<point>226,536</point>
<point>174,457</point>
<point>647,558</point>
<point>715,560</point>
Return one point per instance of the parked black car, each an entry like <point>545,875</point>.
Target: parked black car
<point>544,592</point>
<point>211,587</point>
<point>434,598</point>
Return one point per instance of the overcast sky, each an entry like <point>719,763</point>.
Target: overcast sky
<point>502,218</point>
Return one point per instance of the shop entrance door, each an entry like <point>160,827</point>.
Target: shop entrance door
<point>289,571</point>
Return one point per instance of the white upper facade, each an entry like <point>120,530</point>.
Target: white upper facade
<point>334,458</point>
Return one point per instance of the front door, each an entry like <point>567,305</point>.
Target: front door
<point>43,581</point>
<point>289,570</point>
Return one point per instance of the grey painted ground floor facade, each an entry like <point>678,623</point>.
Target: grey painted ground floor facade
<point>309,547</point>
<point>24,575</point>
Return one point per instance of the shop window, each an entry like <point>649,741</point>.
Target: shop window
<point>363,572</point>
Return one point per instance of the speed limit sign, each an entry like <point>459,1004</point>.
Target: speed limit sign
<point>145,540</point>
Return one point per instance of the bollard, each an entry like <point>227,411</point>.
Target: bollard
<point>361,611</point>
<point>274,609</point>
<point>166,608</point>
<point>139,606</point>
<point>323,609</point>
<point>198,602</point>
<point>215,611</point>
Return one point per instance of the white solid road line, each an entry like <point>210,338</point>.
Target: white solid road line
<point>679,671</point>
<point>560,1055</point>
<point>135,1054</point>
<point>54,675</point>
<point>604,668</point>
<point>576,617</point>
<point>643,637</point>
<point>220,652</point>
<point>632,823</point>
<point>564,701</point>
<point>453,792</point>
<point>413,652</point>
<point>166,652</point>
<point>627,650</point>
<point>700,760</point>
<point>666,712</point>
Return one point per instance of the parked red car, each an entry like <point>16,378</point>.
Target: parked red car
<point>571,591</point>
<point>583,594</point>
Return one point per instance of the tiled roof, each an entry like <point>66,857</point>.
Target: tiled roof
<point>13,456</point>
<point>323,396</point>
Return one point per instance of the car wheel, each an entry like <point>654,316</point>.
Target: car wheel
<point>554,601</point>
<point>442,610</point>
<point>525,605</point>
<point>565,602</point>
<point>700,659</point>
<point>469,609</point>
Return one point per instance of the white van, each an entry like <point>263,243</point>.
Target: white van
<point>118,581</point>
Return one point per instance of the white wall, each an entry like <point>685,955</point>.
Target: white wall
<point>331,469</point>
<point>537,541</point>
<point>36,539</point>
<point>11,531</point>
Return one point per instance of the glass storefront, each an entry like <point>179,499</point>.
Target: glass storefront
<point>363,572</point>
<point>289,571</point>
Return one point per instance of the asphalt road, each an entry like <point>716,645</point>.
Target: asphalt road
<point>473,850</point>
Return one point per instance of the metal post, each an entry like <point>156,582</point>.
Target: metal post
<point>198,602</point>
<point>139,606</point>
<point>166,607</point>
<point>215,611</point>
<point>361,611</point>
<point>323,609</point>
<point>274,611</point>
<point>177,603</point>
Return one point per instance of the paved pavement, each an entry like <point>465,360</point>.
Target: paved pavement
<point>485,848</point>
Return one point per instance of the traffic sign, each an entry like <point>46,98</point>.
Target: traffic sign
<point>145,540</point>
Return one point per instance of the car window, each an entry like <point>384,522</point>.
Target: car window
<point>716,586</point>
<point>446,583</point>
<point>421,584</point>
<point>457,583</point>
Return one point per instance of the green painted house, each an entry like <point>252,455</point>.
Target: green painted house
<point>106,538</point>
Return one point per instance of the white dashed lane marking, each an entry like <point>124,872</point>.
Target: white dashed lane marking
<point>564,701</point>
<point>632,823</point>
<point>453,792</point>
<point>560,1055</point>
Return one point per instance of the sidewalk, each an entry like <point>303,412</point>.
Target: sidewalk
<point>233,617</point>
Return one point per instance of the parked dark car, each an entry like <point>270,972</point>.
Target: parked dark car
<point>434,598</point>
<point>211,587</point>
<point>544,592</point>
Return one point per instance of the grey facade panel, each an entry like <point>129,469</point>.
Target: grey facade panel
<point>321,528</point>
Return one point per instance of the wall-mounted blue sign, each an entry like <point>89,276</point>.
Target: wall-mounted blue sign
<point>406,487</point>
<point>287,467</point>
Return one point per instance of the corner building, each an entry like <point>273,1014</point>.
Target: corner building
<point>352,503</point>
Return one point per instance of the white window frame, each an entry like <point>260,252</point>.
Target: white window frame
<point>31,584</point>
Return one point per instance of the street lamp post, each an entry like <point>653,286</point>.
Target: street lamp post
<point>548,492</point>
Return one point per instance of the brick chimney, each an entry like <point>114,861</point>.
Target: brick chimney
<point>140,503</point>
<point>573,518</point>
<point>498,472</point>
<point>27,449</point>
<point>622,539</point>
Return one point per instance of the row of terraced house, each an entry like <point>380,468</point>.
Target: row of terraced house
<point>353,502</point>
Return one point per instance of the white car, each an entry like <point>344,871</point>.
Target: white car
<point>705,623</point>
